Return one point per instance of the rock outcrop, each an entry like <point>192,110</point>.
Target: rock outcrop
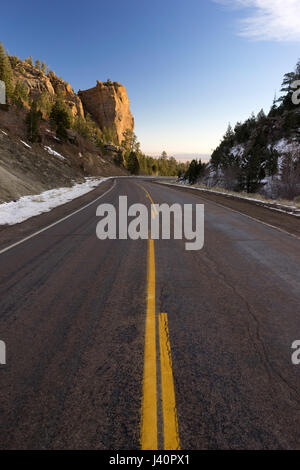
<point>37,83</point>
<point>108,105</point>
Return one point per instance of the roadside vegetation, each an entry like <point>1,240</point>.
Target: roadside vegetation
<point>127,153</point>
<point>260,155</point>
<point>136,162</point>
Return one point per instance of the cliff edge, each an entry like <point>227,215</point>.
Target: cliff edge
<point>108,105</point>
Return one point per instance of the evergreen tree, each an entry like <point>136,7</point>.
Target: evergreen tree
<point>87,128</point>
<point>44,103</point>
<point>271,165</point>
<point>20,94</point>
<point>14,60</point>
<point>290,174</point>
<point>133,163</point>
<point>44,67</point>
<point>229,134</point>
<point>32,123</point>
<point>274,109</point>
<point>6,74</point>
<point>252,171</point>
<point>261,117</point>
<point>119,160</point>
<point>130,142</point>
<point>154,168</point>
<point>195,170</point>
<point>29,60</point>
<point>61,118</point>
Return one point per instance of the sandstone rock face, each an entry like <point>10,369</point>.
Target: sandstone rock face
<point>38,83</point>
<point>70,97</point>
<point>108,105</point>
<point>107,102</point>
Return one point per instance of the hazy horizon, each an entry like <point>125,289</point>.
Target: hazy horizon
<point>183,157</point>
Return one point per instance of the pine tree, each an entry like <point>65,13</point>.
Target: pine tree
<point>133,163</point>
<point>229,134</point>
<point>195,170</point>
<point>6,74</point>
<point>32,123</point>
<point>61,117</point>
<point>14,60</point>
<point>44,67</point>
<point>29,60</point>
<point>289,78</point>
<point>44,103</point>
<point>20,94</point>
<point>260,116</point>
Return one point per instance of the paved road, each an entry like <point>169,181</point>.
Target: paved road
<point>73,313</point>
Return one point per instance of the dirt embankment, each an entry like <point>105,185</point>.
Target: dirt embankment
<point>27,168</point>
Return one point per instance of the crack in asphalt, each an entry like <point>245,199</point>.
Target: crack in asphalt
<point>263,350</point>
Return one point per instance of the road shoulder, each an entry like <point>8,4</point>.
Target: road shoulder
<point>282,221</point>
<point>10,234</point>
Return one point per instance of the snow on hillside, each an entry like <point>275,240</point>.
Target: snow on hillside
<point>53,152</point>
<point>237,150</point>
<point>28,206</point>
<point>284,146</point>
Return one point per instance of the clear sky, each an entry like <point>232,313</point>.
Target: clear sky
<point>189,66</point>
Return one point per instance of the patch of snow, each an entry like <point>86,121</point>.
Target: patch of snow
<point>283,146</point>
<point>292,210</point>
<point>24,143</point>
<point>53,152</point>
<point>29,206</point>
<point>237,150</point>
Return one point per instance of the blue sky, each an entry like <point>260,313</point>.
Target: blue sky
<point>190,67</point>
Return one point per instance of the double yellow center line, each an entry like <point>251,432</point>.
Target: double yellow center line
<point>153,207</point>
<point>149,427</point>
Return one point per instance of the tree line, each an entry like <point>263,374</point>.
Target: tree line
<point>247,156</point>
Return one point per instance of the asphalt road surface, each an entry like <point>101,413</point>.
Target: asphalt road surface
<point>123,344</point>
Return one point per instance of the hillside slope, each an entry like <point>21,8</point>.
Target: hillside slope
<point>30,168</point>
<point>263,153</point>
<point>32,162</point>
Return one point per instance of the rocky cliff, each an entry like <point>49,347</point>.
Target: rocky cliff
<point>30,167</point>
<point>108,105</point>
<point>38,83</point>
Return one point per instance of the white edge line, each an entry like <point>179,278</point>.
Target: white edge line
<point>233,210</point>
<point>58,221</point>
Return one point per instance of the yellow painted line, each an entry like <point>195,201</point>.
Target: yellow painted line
<point>149,402</point>
<point>149,440</point>
<point>149,197</point>
<point>170,421</point>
